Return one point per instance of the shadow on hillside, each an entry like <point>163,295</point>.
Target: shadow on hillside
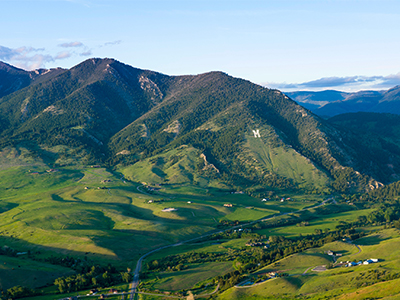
<point>21,272</point>
<point>6,206</point>
<point>60,199</point>
<point>128,210</point>
<point>296,282</point>
<point>375,239</point>
<point>129,243</point>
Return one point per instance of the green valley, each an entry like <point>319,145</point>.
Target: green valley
<point>140,185</point>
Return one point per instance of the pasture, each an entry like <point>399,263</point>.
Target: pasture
<point>93,213</point>
<point>360,282</point>
<point>321,222</point>
<point>186,279</point>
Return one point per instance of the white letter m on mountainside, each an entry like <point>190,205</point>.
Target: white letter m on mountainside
<point>256,133</point>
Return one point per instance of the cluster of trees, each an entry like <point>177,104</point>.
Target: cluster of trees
<point>88,274</point>
<point>227,223</point>
<point>389,192</point>
<point>384,214</point>
<point>17,292</point>
<point>177,262</point>
<point>229,280</point>
<point>97,276</point>
<point>237,234</point>
<point>303,224</point>
<point>8,251</point>
<point>251,258</point>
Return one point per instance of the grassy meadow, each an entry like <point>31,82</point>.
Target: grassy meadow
<point>98,215</point>
<point>338,283</point>
<point>322,223</point>
<point>93,213</point>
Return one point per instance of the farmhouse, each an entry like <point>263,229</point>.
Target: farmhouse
<point>93,292</point>
<point>366,262</point>
<point>228,205</point>
<point>370,261</point>
<point>332,253</point>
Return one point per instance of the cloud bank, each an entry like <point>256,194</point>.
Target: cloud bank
<point>30,58</point>
<point>348,84</point>
<point>25,57</point>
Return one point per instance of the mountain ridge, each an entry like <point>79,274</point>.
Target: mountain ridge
<point>123,116</point>
<point>330,103</point>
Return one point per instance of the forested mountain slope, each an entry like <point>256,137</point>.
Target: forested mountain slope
<point>207,129</point>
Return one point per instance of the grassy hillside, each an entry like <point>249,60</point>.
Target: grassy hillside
<point>27,272</point>
<point>264,154</point>
<point>361,282</point>
<point>94,213</point>
<point>178,166</point>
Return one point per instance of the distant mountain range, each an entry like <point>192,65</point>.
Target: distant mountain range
<point>211,130</point>
<point>332,103</point>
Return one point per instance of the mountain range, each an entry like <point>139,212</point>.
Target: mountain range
<point>211,130</point>
<point>331,103</point>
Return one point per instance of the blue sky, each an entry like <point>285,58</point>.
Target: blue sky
<point>287,44</point>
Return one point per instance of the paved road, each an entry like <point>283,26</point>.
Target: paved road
<point>136,274</point>
<point>304,273</point>
<point>359,249</point>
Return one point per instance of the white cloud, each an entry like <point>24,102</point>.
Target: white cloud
<point>349,83</point>
<point>71,44</point>
<point>86,53</point>
<point>63,55</point>
<point>25,57</point>
<point>112,43</point>
<point>30,58</point>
